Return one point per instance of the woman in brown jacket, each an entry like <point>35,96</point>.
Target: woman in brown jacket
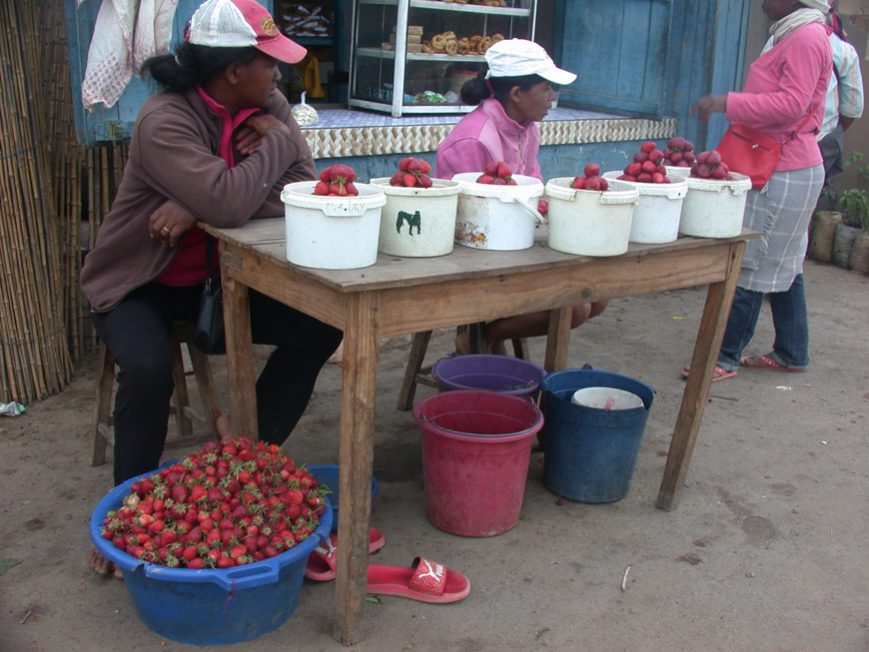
<point>217,145</point>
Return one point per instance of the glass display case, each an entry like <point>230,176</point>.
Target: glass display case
<point>413,56</point>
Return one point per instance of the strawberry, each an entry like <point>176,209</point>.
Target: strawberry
<point>579,183</point>
<point>503,170</point>
<point>592,170</point>
<point>592,183</point>
<point>485,178</point>
<point>648,146</point>
<point>409,180</point>
<point>491,169</point>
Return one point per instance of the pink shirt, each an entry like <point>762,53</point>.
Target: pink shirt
<point>782,85</point>
<point>488,134</point>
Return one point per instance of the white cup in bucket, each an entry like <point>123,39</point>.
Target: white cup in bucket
<point>606,398</point>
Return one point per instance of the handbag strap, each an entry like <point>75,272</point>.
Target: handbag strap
<point>803,123</point>
<point>210,252</point>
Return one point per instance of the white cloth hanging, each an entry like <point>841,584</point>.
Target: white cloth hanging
<point>121,43</point>
<point>153,30</point>
<point>109,64</point>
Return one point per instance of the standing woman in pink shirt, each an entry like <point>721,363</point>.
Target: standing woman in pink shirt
<point>514,95</point>
<point>784,85</point>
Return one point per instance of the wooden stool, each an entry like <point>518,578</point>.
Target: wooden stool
<point>415,374</point>
<point>185,414</point>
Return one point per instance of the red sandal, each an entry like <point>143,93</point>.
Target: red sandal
<point>767,362</point>
<point>719,373</point>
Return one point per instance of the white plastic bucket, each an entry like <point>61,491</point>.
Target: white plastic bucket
<point>606,398</point>
<point>590,222</point>
<point>332,232</point>
<point>656,220</point>
<point>418,222</point>
<point>500,218</point>
<point>713,208</point>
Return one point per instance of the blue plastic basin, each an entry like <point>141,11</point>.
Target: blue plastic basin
<point>213,606</point>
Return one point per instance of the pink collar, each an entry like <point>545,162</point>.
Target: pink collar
<point>230,124</point>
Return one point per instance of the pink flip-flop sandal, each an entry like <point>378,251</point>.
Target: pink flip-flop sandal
<point>767,362</point>
<point>324,558</point>
<point>719,373</point>
<point>424,580</point>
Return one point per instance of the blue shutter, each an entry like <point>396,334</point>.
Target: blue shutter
<point>619,50</point>
<point>115,123</point>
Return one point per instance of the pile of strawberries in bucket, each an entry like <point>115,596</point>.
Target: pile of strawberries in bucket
<point>229,504</point>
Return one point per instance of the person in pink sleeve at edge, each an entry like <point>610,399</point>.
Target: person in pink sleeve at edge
<point>785,84</point>
<point>513,95</point>
<point>217,145</point>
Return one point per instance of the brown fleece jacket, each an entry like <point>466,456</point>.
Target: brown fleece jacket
<point>174,156</point>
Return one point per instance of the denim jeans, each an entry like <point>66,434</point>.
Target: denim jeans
<point>789,318</point>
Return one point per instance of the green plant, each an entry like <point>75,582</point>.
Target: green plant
<point>854,205</point>
<point>853,202</point>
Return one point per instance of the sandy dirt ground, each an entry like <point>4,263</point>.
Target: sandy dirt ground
<point>766,551</point>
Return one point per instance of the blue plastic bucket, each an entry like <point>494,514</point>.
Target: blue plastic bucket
<point>494,373</point>
<point>327,474</point>
<point>213,606</point>
<point>591,452</point>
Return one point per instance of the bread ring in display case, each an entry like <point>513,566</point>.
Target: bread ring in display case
<point>438,43</point>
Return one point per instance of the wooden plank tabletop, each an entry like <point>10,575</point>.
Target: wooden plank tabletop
<point>268,237</point>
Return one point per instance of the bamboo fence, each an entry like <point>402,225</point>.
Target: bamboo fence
<point>54,193</point>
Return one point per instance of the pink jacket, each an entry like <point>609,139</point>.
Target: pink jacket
<point>782,85</point>
<point>488,134</point>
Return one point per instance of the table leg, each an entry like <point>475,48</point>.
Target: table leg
<point>356,452</point>
<point>719,297</point>
<point>558,338</point>
<point>239,358</point>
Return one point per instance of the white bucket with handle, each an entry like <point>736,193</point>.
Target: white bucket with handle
<point>499,218</point>
<point>418,222</point>
<point>332,232</point>
<point>590,222</point>
<point>656,220</point>
<point>713,208</point>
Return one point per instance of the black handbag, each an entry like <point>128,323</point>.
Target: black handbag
<point>208,335</point>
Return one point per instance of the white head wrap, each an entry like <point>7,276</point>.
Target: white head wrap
<point>820,5</point>
<point>799,18</point>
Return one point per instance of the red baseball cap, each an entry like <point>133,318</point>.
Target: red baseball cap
<point>242,23</point>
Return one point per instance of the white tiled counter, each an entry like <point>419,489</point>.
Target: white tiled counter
<point>343,133</point>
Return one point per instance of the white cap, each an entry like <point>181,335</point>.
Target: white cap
<point>518,57</point>
<point>241,23</point>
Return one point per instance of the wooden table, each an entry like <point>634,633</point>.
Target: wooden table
<point>398,296</point>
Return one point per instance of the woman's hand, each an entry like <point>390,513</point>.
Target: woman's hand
<point>247,139</point>
<point>170,222</point>
<point>709,104</point>
<point>262,123</point>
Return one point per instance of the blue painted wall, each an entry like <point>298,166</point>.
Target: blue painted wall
<point>653,57</point>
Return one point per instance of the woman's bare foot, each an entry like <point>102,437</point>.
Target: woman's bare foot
<point>222,427</point>
<point>103,566</point>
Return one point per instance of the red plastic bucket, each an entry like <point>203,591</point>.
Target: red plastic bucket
<point>476,447</point>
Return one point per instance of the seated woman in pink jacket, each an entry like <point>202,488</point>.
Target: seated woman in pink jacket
<point>513,97</point>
